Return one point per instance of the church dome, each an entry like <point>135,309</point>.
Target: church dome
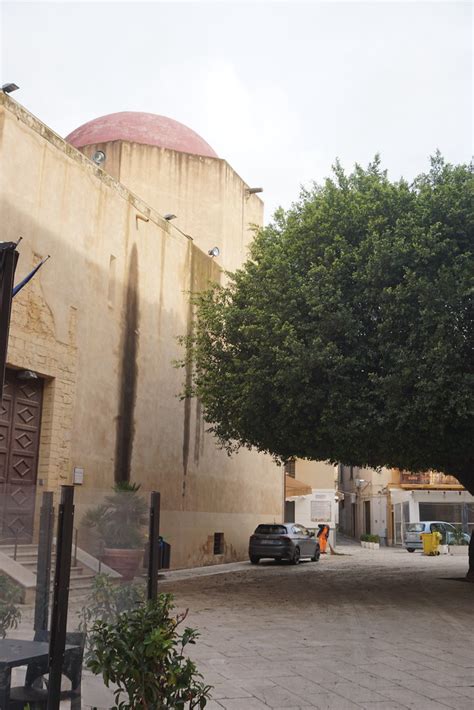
<point>145,128</point>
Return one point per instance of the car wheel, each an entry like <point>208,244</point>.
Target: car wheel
<point>410,549</point>
<point>254,560</point>
<point>295,560</point>
<point>316,556</point>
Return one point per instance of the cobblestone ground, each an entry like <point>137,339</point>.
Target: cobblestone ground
<point>367,629</point>
<point>375,629</point>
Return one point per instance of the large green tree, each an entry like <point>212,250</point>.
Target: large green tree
<point>347,335</point>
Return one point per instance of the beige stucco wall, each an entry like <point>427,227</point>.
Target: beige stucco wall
<point>317,474</point>
<point>206,194</point>
<point>104,310</point>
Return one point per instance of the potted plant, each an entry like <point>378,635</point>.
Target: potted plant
<point>141,652</point>
<point>375,542</point>
<point>120,523</point>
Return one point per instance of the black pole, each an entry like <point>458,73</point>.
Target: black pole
<point>62,572</point>
<point>8,260</point>
<point>43,569</point>
<point>154,546</point>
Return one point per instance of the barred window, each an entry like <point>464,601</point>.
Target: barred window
<point>218,543</point>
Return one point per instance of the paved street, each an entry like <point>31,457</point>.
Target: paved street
<point>373,629</point>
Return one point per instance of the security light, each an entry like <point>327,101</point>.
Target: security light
<point>215,251</point>
<point>99,157</point>
<point>169,216</point>
<point>27,375</point>
<point>8,88</point>
<point>253,190</point>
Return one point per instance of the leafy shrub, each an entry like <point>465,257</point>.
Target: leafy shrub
<point>10,615</point>
<point>458,537</point>
<point>141,652</point>
<point>106,600</point>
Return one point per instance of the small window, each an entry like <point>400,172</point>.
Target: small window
<point>218,543</point>
<point>290,468</point>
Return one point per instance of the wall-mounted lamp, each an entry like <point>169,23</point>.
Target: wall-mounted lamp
<point>215,251</point>
<point>27,375</point>
<point>99,157</point>
<point>253,190</point>
<point>169,216</point>
<point>8,88</point>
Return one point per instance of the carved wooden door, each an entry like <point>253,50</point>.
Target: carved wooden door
<point>20,420</point>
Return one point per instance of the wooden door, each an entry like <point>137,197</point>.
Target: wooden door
<point>20,420</point>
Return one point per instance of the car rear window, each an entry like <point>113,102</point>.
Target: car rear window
<point>416,527</point>
<point>270,530</point>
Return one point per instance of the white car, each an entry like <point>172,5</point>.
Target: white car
<point>451,534</point>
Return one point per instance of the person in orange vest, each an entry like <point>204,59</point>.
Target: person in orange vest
<point>323,536</point>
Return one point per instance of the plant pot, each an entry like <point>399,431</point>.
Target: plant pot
<point>126,562</point>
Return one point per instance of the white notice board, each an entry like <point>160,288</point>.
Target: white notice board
<point>321,510</point>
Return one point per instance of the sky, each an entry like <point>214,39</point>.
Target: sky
<point>278,89</point>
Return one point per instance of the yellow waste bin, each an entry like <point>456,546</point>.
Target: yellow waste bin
<point>431,542</point>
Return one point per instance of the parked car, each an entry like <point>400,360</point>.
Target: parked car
<point>451,534</point>
<point>283,541</point>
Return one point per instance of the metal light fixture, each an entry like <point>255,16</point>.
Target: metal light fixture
<point>215,251</point>
<point>27,375</point>
<point>253,190</point>
<point>99,157</point>
<point>169,216</point>
<point>8,88</point>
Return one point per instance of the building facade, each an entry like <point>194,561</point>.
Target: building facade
<point>91,386</point>
<point>364,505</point>
<point>310,494</point>
<point>383,502</point>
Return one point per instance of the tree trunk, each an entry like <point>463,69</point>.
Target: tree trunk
<point>466,478</point>
<point>470,574</point>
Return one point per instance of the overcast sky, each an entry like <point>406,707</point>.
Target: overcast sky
<point>278,89</point>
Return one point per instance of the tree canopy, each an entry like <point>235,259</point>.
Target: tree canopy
<point>347,334</point>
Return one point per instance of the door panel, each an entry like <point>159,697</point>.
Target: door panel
<point>20,420</point>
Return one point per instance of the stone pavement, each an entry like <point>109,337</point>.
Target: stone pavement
<point>375,629</point>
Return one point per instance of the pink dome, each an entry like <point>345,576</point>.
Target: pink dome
<point>137,127</point>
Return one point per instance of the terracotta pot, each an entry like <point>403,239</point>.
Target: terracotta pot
<point>126,562</point>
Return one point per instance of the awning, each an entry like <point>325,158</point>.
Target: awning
<point>293,487</point>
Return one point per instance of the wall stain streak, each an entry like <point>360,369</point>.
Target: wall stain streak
<point>198,432</point>
<point>128,375</point>
<point>188,376</point>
